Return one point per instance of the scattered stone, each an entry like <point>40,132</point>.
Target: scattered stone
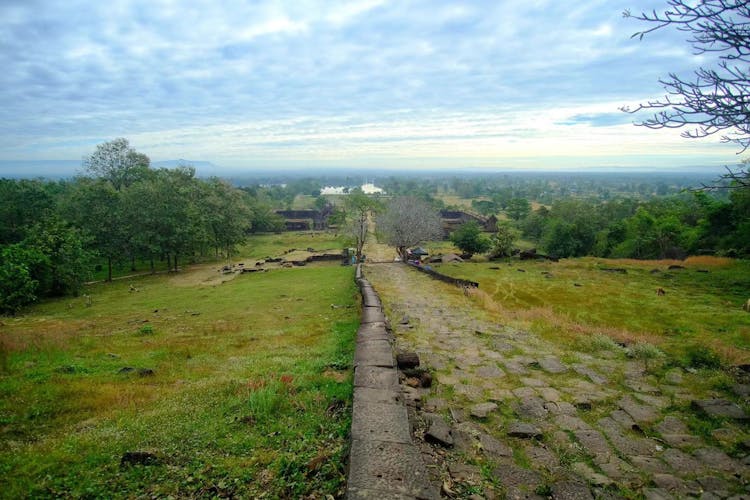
<point>438,431</point>
<point>571,490</point>
<point>463,440</point>
<point>512,476</point>
<point>590,373</point>
<point>531,408</point>
<point>483,409</point>
<point>533,382</point>
<point>673,376</point>
<point>628,445</point>
<point>524,430</point>
<point>715,459</point>
<point>549,394</point>
<point>675,266</point>
<point>656,494</point>
<point>66,369</point>
<point>145,372</point>
<point>681,461</point>
<point>571,423</point>
<point>560,408</point>
<point>719,408</point>
<point>540,455</point>
<point>465,473</point>
<point>594,445</point>
<point>138,458</point>
<point>669,483</point>
<point>642,414</point>
<point>493,447</point>
<point>649,464</point>
<point>552,365</point>
<point>592,477</point>
<point>489,371</point>
<point>405,320</point>
<point>742,390</point>
<point>126,369</point>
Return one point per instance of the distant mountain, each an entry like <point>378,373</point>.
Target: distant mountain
<point>58,169</point>
<point>202,167</point>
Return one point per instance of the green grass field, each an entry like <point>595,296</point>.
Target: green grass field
<point>702,304</point>
<point>240,388</point>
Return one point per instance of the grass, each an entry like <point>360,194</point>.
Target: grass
<point>265,245</point>
<point>700,310</point>
<point>248,392</point>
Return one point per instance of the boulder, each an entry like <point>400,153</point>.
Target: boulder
<point>406,360</point>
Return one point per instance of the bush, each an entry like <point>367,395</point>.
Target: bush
<point>469,238</point>
<point>698,356</point>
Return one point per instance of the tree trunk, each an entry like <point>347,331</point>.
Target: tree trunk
<point>109,268</point>
<point>175,262</point>
<point>153,268</point>
<point>132,263</point>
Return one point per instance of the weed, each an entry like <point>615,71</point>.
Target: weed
<point>700,356</point>
<point>146,330</point>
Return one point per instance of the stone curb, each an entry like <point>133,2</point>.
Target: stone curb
<point>383,461</point>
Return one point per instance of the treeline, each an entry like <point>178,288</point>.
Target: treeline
<point>669,227</point>
<point>54,234</point>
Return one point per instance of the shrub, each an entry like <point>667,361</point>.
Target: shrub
<point>698,356</point>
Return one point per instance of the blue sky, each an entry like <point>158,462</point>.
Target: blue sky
<point>358,83</point>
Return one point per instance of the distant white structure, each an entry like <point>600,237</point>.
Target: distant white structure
<point>367,188</point>
<point>370,188</point>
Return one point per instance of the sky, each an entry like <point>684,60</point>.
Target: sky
<point>355,83</point>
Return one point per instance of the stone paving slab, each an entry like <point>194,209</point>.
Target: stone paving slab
<point>395,468</point>
<point>372,315</point>
<point>374,353</point>
<point>375,377</point>
<point>384,396</point>
<point>373,331</point>
<point>380,422</point>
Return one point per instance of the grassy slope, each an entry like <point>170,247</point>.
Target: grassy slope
<point>698,308</point>
<point>245,374</point>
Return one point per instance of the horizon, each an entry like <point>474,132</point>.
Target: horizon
<point>344,84</point>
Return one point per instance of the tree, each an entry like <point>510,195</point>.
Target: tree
<point>118,163</point>
<point>358,207</point>
<point>469,238</point>
<point>502,241</point>
<point>17,287</point>
<point>518,208</point>
<point>715,99</point>
<point>225,215</point>
<point>408,221</point>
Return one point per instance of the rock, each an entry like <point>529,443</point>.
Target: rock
<point>715,459</point>
<point>594,445</point>
<point>591,476</point>
<point>481,410</point>
<point>642,414</point>
<point>425,379</point>
<point>531,408</point>
<point>66,369</point>
<point>145,372</point>
<point>412,382</point>
<point>493,447</point>
<point>571,490</point>
<point>463,473</point>
<point>438,431</point>
<point>669,483</point>
<point>673,376</point>
<point>742,390</point>
<point>404,320</point>
<point>126,369</point>
<point>524,430</point>
<point>510,475</point>
<point>719,408</point>
<point>553,365</point>
<point>138,458</point>
<point>406,360</point>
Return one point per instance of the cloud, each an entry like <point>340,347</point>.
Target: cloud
<point>241,81</point>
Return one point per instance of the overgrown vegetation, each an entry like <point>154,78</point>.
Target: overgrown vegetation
<point>242,389</point>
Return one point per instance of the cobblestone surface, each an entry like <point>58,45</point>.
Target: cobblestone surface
<point>553,422</point>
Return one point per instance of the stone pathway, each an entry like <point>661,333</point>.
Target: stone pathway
<point>511,415</point>
<point>383,462</point>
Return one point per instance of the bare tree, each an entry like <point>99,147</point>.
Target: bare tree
<point>409,221</point>
<point>358,208</point>
<point>713,100</point>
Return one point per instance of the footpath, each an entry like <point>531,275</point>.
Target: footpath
<point>512,415</point>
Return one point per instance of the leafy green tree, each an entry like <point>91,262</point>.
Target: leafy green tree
<point>485,207</point>
<point>503,241</point>
<point>225,214</point>
<point>118,163</point>
<point>469,238</point>
<point>561,239</point>
<point>66,264</point>
<point>23,203</point>
<point>17,287</point>
<point>96,207</point>
<point>518,208</point>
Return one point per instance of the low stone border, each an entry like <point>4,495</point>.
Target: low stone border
<point>442,277</point>
<point>383,462</point>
